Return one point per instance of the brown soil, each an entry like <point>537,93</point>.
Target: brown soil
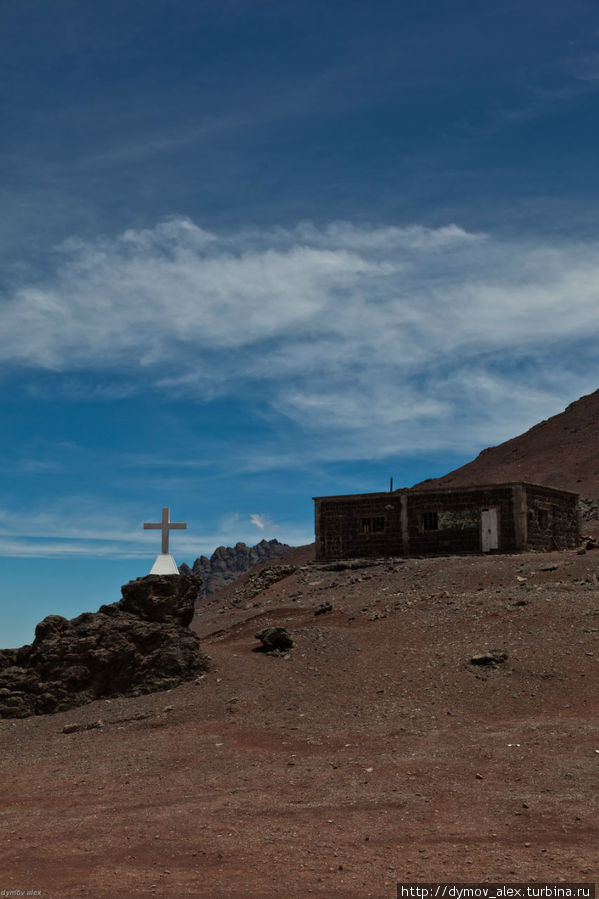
<point>562,451</point>
<point>374,753</point>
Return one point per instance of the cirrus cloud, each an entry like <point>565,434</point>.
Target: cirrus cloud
<point>354,330</point>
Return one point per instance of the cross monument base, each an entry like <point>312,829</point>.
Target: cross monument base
<point>164,564</point>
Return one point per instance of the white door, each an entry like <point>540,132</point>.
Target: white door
<point>488,523</point>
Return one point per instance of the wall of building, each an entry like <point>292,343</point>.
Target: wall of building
<point>444,521</point>
<point>340,524</point>
<point>449,503</point>
<point>552,519</point>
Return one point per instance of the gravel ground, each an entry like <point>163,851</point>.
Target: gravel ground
<point>372,752</point>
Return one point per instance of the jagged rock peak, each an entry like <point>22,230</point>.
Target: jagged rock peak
<point>227,563</point>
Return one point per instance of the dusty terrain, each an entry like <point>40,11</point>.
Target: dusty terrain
<point>375,752</point>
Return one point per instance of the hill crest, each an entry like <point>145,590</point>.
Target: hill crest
<point>561,451</point>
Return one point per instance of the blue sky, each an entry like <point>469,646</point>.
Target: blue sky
<point>254,252</point>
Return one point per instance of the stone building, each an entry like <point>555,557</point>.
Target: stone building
<point>492,518</point>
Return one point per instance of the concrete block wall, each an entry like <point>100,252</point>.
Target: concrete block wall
<point>338,526</point>
<point>552,519</point>
<point>460,500</point>
<point>529,516</point>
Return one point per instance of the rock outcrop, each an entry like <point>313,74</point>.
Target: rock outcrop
<point>137,645</point>
<point>227,563</point>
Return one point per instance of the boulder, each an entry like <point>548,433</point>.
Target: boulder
<point>137,645</point>
<point>274,639</point>
<point>322,608</point>
<point>154,599</point>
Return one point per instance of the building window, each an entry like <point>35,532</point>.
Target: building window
<point>430,521</point>
<point>373,525</point>
<point>543,519</point>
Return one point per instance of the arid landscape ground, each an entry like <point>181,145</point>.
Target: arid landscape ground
<point>373,752</point>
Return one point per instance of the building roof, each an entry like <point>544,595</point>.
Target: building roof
<point>432,491</point>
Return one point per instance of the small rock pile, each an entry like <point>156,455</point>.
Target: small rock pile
<point>140,644</point>
<point>263,579</point>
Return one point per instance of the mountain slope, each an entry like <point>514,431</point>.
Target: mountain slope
<point>373,752</point>
<point>562,451</point>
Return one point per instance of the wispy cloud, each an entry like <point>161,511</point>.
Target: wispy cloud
<point>86,527</point>
<point>262,522</point>
<point>384,339</point>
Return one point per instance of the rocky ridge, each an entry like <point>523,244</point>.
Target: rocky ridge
<point>227,563</point>
<point>137,645</point>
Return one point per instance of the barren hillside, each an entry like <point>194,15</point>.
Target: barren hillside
<point>562,451</point>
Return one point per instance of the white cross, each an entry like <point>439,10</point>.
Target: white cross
<point>165,526</point>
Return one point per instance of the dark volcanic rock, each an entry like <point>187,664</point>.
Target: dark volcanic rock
<point>274,639</point>
<point>490,657</point>
<point>322,608</point>
<point>227,563</point>
<point>161,602</point>
<point>138,645</point>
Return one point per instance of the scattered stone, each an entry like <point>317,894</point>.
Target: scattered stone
<point>490,657</point>
<point>71,728</point>
<point>351,565</point>
<point>274,640</point>
<point>263,579</point>
<point>323,608</point>
<point>140,644</point>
